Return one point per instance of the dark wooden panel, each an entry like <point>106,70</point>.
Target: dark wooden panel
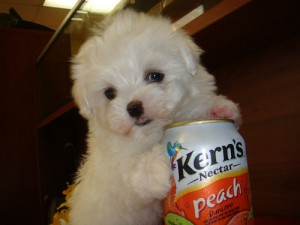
<point>267,86</point>
<point>20,200</point>
<point>53,78</point>
<point>274,165</point>
<point>61,143</point>
<point>246,30</point>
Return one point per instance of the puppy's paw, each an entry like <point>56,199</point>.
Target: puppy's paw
<point>151,178</point>
<point>223,112</point>
<point>225,109</point>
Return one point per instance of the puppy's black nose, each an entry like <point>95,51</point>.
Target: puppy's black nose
<point>135,109</point>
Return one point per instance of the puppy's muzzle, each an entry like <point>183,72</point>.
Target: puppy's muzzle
<point>135,109</point>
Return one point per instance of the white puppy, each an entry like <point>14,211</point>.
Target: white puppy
<point>131,78</point>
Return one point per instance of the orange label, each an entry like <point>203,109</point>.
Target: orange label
<point>225,201</point>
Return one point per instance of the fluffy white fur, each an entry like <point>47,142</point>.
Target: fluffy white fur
<point>125,173</point>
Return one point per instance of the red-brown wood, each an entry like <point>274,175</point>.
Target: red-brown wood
<point>54,81</point>
<point>19,188</point>
<point>56,114</point>
<point>218,12</point>
<point>266,84</point>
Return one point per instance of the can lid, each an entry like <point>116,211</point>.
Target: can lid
<point>192,122</point>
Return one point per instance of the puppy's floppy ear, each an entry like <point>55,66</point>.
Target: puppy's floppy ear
<point>80,97</point>
<point>190,53</point>
<point>80,69</point>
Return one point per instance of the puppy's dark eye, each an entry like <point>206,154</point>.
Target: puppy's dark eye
<point>110,93</point>
<point>154,77</point>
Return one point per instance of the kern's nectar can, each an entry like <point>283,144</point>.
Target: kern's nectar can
<point>210,182</point>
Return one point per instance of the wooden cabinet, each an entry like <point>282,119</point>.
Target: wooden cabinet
<point>61,130</point>
<point>20,201</point>
<point>53,78</point>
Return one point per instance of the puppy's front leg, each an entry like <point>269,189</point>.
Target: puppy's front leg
<point>151,175</point>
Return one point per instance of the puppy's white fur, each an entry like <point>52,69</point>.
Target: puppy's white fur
<point>125,173</point>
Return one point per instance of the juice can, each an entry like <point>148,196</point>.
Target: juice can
<point>210,182</point>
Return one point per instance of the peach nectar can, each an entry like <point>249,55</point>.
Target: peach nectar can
<point>210,182</point>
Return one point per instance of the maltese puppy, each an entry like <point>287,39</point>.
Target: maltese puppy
<point>132,77</point>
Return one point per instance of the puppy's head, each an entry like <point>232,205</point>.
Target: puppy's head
<point>133,74</point>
